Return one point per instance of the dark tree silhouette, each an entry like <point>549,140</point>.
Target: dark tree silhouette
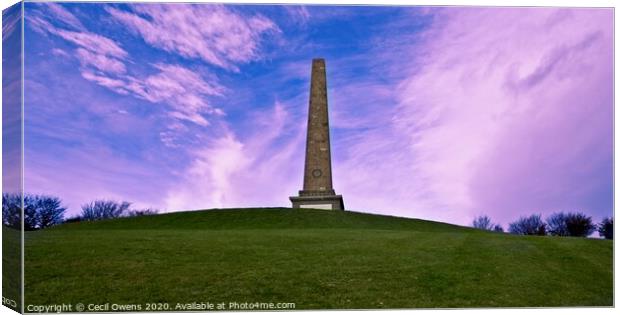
<point>532,225</point>
<point>579,224</point>
<point>556,224</point>
<point>483,222</point>
<point>40,211</point>
<point>11,210</point>
<point>30,212</point>
<point>570,224</point>
<point>142,212</point>
<point>104,209</point>
<point>49,211</point>
<point>606,228</point>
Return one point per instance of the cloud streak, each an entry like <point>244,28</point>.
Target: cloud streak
<point>213,33</point>
<point>104,62</point>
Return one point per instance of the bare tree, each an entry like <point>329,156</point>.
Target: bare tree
<point>482,222</point>
<point>556,224</point>
<point>40,211</point>
<point>11,210</point>
<point>49,211</point>
<point>30,212</point>
<point>104,209</point>
<point>532,225</point>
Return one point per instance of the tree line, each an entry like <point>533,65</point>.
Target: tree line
<point>557,224</point>
<point>43,211</point>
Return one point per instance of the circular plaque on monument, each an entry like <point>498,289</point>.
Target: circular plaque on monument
<point>317,173</point>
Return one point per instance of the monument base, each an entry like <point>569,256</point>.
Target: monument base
<point>325,202</point>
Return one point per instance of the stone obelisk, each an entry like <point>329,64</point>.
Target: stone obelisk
<point>318,191</point>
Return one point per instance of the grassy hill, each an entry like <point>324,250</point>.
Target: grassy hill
<point>313,258</point>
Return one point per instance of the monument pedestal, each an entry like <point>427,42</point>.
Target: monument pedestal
<point>316,201</point>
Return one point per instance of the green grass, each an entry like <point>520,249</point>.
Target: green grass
<point>11,267</point>
<point>316,259</point>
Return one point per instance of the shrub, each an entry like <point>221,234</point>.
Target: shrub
<point>579,224</point>
<point>73,219</point>
<point>532,225</point>
<point>570,224</point>
<point>498,228</point>
<point>142,212</point>
<point>606,228</point>
<point>104,209</point>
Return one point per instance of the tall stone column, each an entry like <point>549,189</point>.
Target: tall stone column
<point>318,191</point>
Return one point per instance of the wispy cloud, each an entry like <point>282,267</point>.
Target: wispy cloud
<point>180,87</point>
<point>11,99</point>
<point>113,84</point>
<point>104,62</point>
<point>299,14</point>
<point>100,61</point>
<point>65,17</point>
<point>213,33</point>
<point>493,112</point>
<point>220,160</point>
<point>95,43</point>
<point>11,19</point>
<point>260,170</point>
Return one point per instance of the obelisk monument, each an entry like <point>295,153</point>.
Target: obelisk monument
<point>318,191</point>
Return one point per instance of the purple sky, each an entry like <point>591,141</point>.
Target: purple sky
<point>436,113</point>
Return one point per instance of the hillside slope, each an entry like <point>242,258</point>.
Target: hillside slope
<point>313,258</point>
<point>266,218</point>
